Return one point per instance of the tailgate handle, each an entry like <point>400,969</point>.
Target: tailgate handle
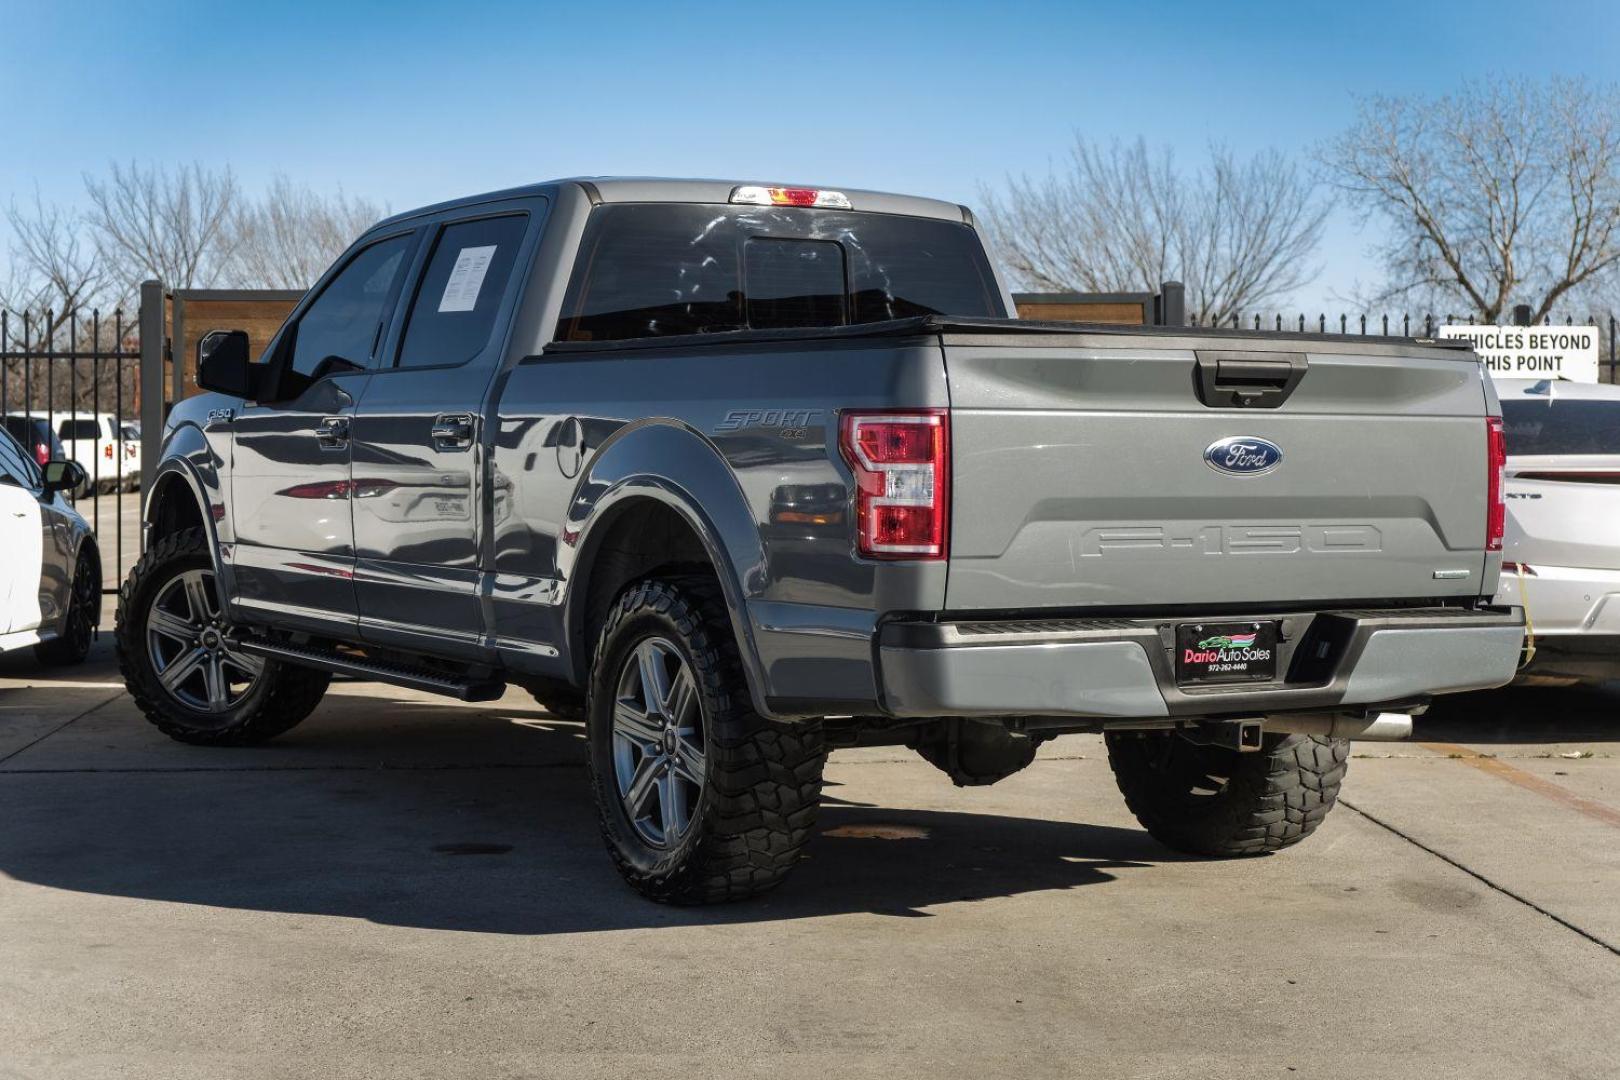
<point>1247,380</point>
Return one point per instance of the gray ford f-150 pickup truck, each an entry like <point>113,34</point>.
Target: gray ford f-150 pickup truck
<point>736,474</point>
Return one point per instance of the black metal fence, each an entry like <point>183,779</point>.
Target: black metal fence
<point>62,376</point>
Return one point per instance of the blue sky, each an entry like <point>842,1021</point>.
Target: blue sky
<point>409,103</point>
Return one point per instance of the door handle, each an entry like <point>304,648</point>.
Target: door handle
<point>333,432</point>
<point>453,432</point>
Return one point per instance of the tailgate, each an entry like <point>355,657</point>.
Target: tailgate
<point>1080,471</point>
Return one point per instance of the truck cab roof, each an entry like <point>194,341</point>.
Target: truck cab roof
<point>645,189</point>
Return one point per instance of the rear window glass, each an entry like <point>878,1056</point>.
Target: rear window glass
<point>1561,427</point>
<point>650,270</point>
<point>454,311</point>
<point>78,429</point>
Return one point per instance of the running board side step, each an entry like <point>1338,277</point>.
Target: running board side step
<point>412,678</point>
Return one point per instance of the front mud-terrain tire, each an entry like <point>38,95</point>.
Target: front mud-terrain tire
<point>1208,800</point>
<point>740,829</point>
<point>251,710</point>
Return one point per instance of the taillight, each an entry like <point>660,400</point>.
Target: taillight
<point>106,451</point>
<point>42,454</point>
<point>1495,467</point>
<point>323,489</point>
<point>902,476</point>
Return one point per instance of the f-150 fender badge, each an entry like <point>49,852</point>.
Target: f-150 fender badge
<point>1243,455</point>
<point>221,416</point>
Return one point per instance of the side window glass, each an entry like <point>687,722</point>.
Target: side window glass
<point>453,313</point>
<point>344,320</point>
<point>15,466</point>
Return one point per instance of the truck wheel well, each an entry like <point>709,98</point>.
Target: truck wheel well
<point>643,537</point>
<point>174,508</point>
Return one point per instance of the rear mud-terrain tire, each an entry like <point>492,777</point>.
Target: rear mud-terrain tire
<point>1207,800</point>
<point>281,696</point>
<point>83,612</point>
<point>762,780</point>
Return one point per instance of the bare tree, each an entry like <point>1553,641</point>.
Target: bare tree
<point>56,270</point>
<point>1502,193</point>
<point>287,238</point>
<point>149,222</point>
<point>51,302</point>
<point>1236,233</point>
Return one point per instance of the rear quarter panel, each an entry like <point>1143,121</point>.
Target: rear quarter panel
<point>579,429</point>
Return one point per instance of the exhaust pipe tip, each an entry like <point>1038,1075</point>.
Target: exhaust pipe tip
<point>1381,727</point>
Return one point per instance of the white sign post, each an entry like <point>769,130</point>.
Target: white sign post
<point>1533,352</point>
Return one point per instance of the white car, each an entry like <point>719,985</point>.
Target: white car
<point>1562,547</point>
<point>50,575</point>
<point>96,441</point>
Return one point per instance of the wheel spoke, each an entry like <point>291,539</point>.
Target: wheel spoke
<point>648,772</point>
<point>199,597</point>
<point>246,663</point>
<point>682,696</point>
<point>672,806</point>
<point>689,756</point>
<point>171,625</point>
<point>214,681</point>
<point>654,680</point>
<point>181,669</point>
<point>635,725</point>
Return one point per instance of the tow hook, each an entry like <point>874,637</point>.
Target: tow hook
<point>1244,736</point>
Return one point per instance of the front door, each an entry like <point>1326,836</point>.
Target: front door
<point>293,558</point>
<point>21,537</point>
<point>420,503</point>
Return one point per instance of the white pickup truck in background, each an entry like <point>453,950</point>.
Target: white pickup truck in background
<point>97,441</point>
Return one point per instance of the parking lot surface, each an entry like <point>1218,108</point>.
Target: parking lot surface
<point>408,887</point>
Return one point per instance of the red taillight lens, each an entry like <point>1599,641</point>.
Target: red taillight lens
<point>106,451</point>
<point>324,489</point>
<point>902,476</point>
<point>42,454</point>
<point>1495,467</point>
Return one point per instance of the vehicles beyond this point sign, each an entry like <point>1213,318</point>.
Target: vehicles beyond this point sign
<point>1520,352</point>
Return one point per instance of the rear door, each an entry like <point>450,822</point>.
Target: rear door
<point>421,503</point>
<point>1119,471</point>
<point>290,495</point>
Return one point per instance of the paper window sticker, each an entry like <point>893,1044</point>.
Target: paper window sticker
<point>466,278</point>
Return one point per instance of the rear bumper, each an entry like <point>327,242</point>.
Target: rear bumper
<point>1123,668</point>
<point>1566,599</point>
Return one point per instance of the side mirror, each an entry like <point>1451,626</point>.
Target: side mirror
<point>63,476</point>
<point>224,364</point>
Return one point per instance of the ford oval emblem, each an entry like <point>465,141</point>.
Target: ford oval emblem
<point>1244,455</point>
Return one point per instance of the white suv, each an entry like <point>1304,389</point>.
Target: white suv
<point>1563,525</point>
<point>96,441</point>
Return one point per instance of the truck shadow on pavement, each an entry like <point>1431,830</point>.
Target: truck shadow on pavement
<point>1525,714</point>
<point>506,843</point>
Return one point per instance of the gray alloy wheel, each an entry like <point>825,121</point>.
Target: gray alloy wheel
<point>659,745</point>
<point>197,660</point>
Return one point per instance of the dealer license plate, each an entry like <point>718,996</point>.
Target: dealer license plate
<point>1226,652</point>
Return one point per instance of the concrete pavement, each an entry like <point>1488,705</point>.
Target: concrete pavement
<point>408,887</point>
